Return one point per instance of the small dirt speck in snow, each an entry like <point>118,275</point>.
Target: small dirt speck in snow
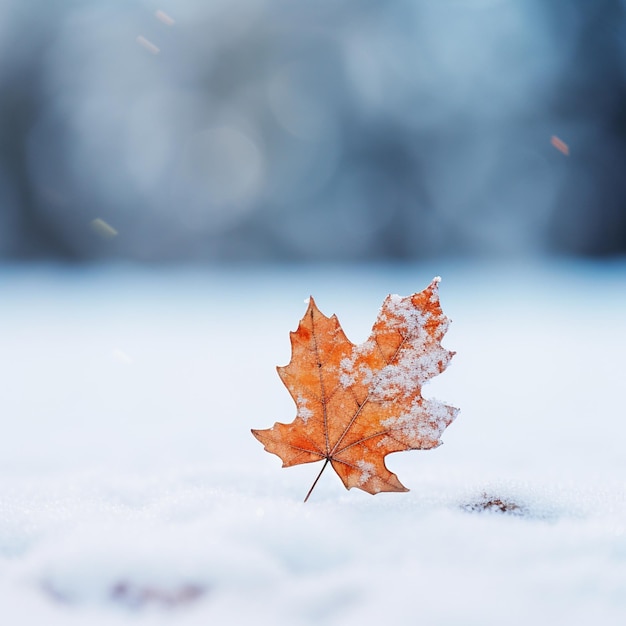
<point>494,504</point>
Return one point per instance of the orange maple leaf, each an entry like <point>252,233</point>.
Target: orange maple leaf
<point>356,404</point>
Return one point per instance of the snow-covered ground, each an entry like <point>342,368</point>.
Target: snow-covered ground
<point>132,492</point>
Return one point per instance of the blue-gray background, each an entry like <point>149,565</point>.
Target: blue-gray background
<point>352,130</point>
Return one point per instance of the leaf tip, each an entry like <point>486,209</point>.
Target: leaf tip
<point>433,288</point>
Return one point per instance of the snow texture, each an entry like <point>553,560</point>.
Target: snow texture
<point>131,490</point>
<point>304,412</point>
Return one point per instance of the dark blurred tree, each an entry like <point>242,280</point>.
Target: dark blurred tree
<point>590,213</point>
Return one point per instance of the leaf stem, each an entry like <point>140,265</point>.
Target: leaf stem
<point>315,481</point>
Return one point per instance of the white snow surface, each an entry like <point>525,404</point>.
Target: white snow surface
<point>132,492</point>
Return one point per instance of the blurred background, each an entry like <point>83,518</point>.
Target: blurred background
<point>356,130</point>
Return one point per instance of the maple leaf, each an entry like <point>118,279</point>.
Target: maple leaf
<point>358,403</point>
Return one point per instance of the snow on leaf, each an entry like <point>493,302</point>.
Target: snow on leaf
<point>358,403</point>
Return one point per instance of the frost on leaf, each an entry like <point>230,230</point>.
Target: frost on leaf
<point>357,404</point>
